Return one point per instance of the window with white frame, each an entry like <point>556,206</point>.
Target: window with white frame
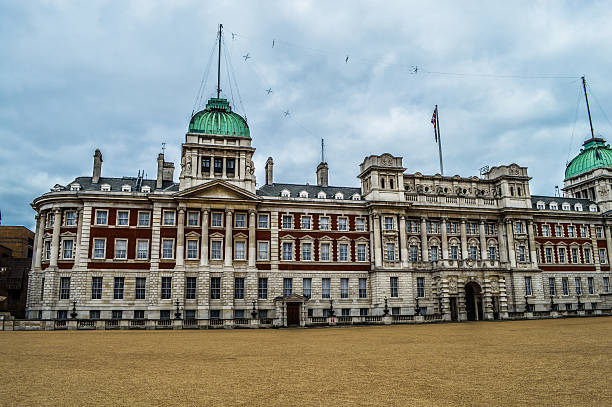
<point>421,287</point>
<point>518,227</point>
<point>287,250</point>
<point>144,218</point>
<point>606,284</point>
<point>326,288</point>
<point>126,188</point>
<point>240,250</point>
<point>105,188</point>
<point>578,283</point>
<point>322,195</point>
<point>549,254</point>
<point>433,252</point>
<point>388,223</point>
<point>587,254</point>
<point>363,288</point>
<point>167,248</point>
<point>603,256</point>
<point>565,285</point>
<point>593,208</point>
<point>599,232</point>
<point>551,286</point>
<point>492,253</point>
<point>339,195</point>
<point>47,249</point>
<point>303,194</point>
<point>545,230</point>
<point>454,252</point>
<point>343,249</point>
<point>390,251</point>
<point>541,205</point>
<point>101,217</point>
<point>216,250</point>
<point>360,224</point>
<point>342,223</point>
<point>99,248</point>
<point>414,252</point>
<point>558,231</point>
<point>285,193</point>
<point>571,231</point>
<point>553,206</point>
<point>575,257</point>
<point>473,252</point>
<point>287,286</point>
<point>528,290</point>
<point>306,222</point>
<point>287,221</point>
<point>50,220</point>
<point>578,207</point>
<point>240,220</point>
<point>123,218</point>
<point>146,189</point>
<point>584,231</point>
<point>263,251</point>
<point>325,251</point>
<point>591,285</point>
<point>323,222</point>
<point>75,187</point>
<point>262,221</point>
<point>216,220</point>
<point>192,249</point>
<point>142,249</point>
<point>394,287</point>
<point>361,252</point>
<point>565,206</point>
<point>344,288</point>
<point>70,218</point>
<point>356,197</point>
<point>121,249</point>
<point>561,254</point>
<point>306,251</point>
<point>522,256</point>
<point>67,249</point>
<point>193,218</point>
<point>168,218</point>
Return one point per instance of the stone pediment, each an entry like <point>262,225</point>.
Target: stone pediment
<point>217,189</point>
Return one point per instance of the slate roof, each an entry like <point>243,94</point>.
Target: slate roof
<point>117,183</point>
<point>295,189</point>
<point>560,200</point>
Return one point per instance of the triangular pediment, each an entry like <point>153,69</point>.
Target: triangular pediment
<point>217,189</point>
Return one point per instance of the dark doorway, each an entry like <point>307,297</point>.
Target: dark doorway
<point>293,313</point>
<point>453,309</point>
<point>473,301</point>
<point>495,305</point>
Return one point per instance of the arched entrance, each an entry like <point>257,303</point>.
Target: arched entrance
<point>473,301</point>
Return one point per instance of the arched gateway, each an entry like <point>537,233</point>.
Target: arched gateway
<point>473,301</point>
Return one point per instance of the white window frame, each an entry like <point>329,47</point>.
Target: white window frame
<point>93,250</point>
<point>322,195</point>
<point>343,218</point>
<point>213,242</point>
<point>72,249</point>
<point>197,249</point>
<point>330,254</point>
<point>237,252</point>
<point>365,252</point>
<point>387,256</point>
<point>189,219</point>
<point>360,224</point>
<point>126,188</point>
<point>287,255</point>
<point>138,242</point>
<point>386,225</point>
<point>128,218</point>
<point>266,243</point>
<point>242,216</point>
<point>166,239</point>
<point>164,212</point>
<point>327,225</point>
<point>306,217</point>
<point>214,217</point>
<point>66,218</point>
<point>603,256</point>
<point>303,194</point>
<point>310,251</point>
<point>553,206</point>
<point>105,188</point>
<point>562,257</point>
<point>126,249</point>
<point>96,223</point>
<point>259,221</point>
<point>565,206</point>
<point>283,217</point>
<point>148,219</point>
<point>285,193</point>
<point>347,254</point>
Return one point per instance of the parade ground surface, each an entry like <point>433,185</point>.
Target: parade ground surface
<point>544,362</point>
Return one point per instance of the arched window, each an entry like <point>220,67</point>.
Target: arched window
<point>303,194</point>
<point>285,193</point>
<point>356,197</point>
<point>553,206</point>
<point>322,195</point>
<point>578,207</point>
<point>339,195</point>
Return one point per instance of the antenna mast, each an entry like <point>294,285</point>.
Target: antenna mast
<point>587,103</point>
<point>219,64</point>
<point>322,150</point>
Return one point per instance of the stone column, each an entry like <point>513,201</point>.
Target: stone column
<point>35,247</point>
<point>242,165</point>
<point>40,247</point>
<point>483,241</point>
<point>252,244</point>
<point>377,242</point>
<point>608,242</point>
<point>228,232</point>
<point>424,243</point>
<point>444,240</point>
<point>402,239</point>
<point>464,250</point>
<point>204,238</point>
<point>501,241</point>
<point>180,238</point>
<point>224,173</point>
<point>55,241</point>
<point>510,236</point>
<point>194,165</point>
<point>532,249</point>
<point>76,248</point>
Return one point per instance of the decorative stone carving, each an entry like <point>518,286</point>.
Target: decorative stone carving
<point>494,285</point>
<point>452,285</point>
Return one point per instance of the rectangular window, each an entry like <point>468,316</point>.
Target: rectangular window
<point>360,224</point>
<point>287,286</point>
<point>263,250</point>
<point>551,286</point>
<point>306,223</point>
<point>454,252</point>
<point>118,288</point>
<point>240,220</point>
<point>363,288</point>
<point>94,314</point>
<point>361,252</point>
<point>206,165</point>
<point>230,166</point>
<point>142,252</point>
<point>70,218</point>
<point>307,287</point>
<point>263,313</point>
<point>587,255</point>
<point>522,256</point>
<point>99,248</point>
<point>215,250</point>
<point>47,249</point>
<point>101,217</point>
<point>549,255</point>
<point>117,314</point>
<point>396,311</point>
<point>343,252</point>
<point>96,288</point>
<point>492,253</point>
<point>575,255</point>
<point>363,312</point>
<point>390,251</point>
<point>123,218</point>
<point>190,314</point>
<point>190,288</point>
<point>561,254</point>
<point>166,288</point>
<point>167,249</point>
<point>216,220</point>
<point>599,232</point>
<point>62,314</point>
<point>545,230</point>
<point>121,249</point>
<point>603,256</point>
<point>65,288</point>
<point>325,288</point>
<point>346,312</point>
<point>565,285</point>
<point>218,165</point>
<point>141,288</point>
<point>591,285</point>
<point>306,251</point>
<point>473,252</point>
<point>240,250</point>
<point>527,285</point>
<point>518,227</point>
<point>262,221</point>
<point>193,218</point>
<point>215,288</point>
<point>433,250</point>
<point>239,288</point>
<point>215,314</point>
<point>323,222</point>
<point>558,231</point>
<point>287,251</point>
<point>578,283</point>
<point>67,249</point>
<point>606,284</point>
<point>584,231</point>
<point>238,313</point>
<point>262,288</point>
<point>287,222</point>
<point>388,223</point>
<point>344,288</point>
<point>414,252</point>
<point>342,224</point>
<point>143,219</point>
<point>420,286</point>
<point>394,286</point>
<point>571,231</point>
<point>168,218</point>
<point>164,314</point>
<point>325,249</point>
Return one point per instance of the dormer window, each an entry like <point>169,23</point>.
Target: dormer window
<point>322,195</point>
<point>75,187</point>
<point>565,206</point>
<point>303,194</point>
<point>105,188</point>
<point>339,195</point>
<point>356,197</point>
<point>553,206</point>
<point>578,207</point>
<point>285,193</point>
<point>593,208</point>
<point>126,188</point>
<point>146,189</point>
<point>541,205</point>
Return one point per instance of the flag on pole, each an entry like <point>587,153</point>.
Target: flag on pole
<point>434,121</point>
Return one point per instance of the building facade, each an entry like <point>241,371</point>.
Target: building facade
<point>218,251</point>
<point>16,248</point>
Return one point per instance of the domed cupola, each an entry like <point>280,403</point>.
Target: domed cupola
<point>218,118</point>
<point>595,153</point>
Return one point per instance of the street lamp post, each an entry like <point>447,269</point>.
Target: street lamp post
<point>526,304</point>
<point>331,307</point>
<point>386,310</point>
<point>254,312</point>
<point>74,314</point>
<point>417,310</point>
<point>177,314</point>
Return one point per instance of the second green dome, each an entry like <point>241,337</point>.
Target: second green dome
<point>218,118</point>
<point>594,154</point>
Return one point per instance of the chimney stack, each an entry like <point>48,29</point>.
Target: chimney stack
<point>269,170</point>
<point>97,167</point>
<point>165,171</point>
<point>322,174</point>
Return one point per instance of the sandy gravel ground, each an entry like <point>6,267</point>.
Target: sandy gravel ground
<point>534,363</point>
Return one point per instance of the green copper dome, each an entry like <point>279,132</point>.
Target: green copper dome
<point>594,154</point>
<point>218,118</point>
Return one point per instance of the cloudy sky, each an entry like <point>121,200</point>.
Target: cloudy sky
<point>123,76</point>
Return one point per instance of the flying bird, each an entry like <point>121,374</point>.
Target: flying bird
<point>286,113</point>
<point>234,35</point>
<point>269,90</point>
<point>247,56</point>
<point>415,69</point>
<point>346,60</point>
<point>273,43</point>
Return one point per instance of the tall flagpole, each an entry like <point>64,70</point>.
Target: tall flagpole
<point>439,140</point>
